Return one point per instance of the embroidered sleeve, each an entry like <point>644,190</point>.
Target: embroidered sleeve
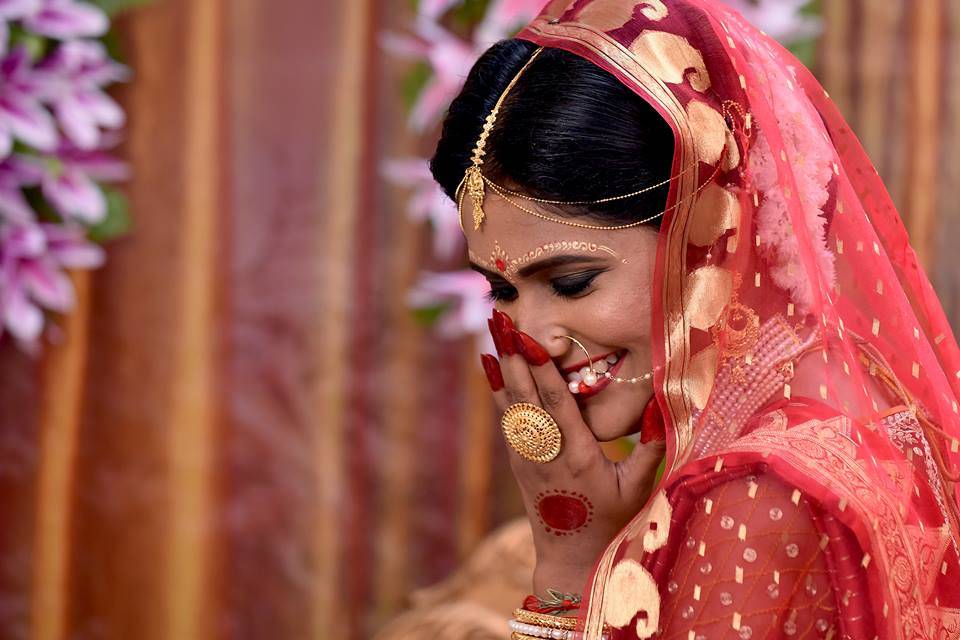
<point>751,564</point>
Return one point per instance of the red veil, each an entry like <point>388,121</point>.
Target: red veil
<point>808,376</point>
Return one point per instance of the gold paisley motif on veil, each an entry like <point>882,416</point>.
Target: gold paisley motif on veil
<point>669,57</point>
<point>709,131</point>
<point>655,10</point>
<point>630,587</point>
<point>630,590</point>
<point>701,374</point>
<point>556,9</point>
<point>716,211</point>
<point>706,293</point>
<point>607,15</point>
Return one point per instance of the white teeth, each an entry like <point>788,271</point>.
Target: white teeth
<point>600,369</point>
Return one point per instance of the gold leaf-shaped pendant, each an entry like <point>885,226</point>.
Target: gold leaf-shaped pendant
<point>475,188</point>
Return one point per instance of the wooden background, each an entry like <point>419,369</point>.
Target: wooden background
<point>243,433</point>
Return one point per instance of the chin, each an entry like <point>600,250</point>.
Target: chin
<point>616,412</point>
<point>610,427</point>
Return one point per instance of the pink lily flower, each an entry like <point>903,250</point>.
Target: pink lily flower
<point>77,72</point>
<point>66,19</point>
<point>32,277</point>
<point>466,291</point>
<point>14,176</point>
<point>432,9</point>
<point>11,10</point>
<point>69,180</point>
<point>504,18</point>
<point>782,20</point>
<point>428,202</point>
<point>450,59</point>
<point>22,115</point>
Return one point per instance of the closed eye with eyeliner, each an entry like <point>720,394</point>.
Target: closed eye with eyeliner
<point>574,285</point>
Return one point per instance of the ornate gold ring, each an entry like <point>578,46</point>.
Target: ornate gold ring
<point>531,432</point>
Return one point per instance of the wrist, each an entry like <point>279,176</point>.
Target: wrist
<point>559,575</point>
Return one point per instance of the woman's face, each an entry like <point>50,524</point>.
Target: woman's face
<point>595,285</point>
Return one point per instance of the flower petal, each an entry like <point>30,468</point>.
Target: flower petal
<point>16,9</point>
<point>47,285</point>
<point>73,194</point>
<point>29,122</point>
<point>66,20</point>
<point>77,122</point>
<point>14,207</point>
<point>23,319</point>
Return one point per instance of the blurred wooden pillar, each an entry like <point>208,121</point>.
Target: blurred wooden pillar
<point>893,69</point>
<point>61,401</point>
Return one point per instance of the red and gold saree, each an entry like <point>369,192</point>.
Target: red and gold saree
<point>808,377</point>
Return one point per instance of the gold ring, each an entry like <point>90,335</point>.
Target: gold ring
<point>531,432</point>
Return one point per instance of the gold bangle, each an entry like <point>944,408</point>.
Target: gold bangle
<point>544,620</point>
<point>516,635</point>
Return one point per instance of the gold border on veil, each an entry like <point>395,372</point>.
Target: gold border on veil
<point>676,327</point>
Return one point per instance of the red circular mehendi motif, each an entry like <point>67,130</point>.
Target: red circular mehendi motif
<point>563,513</point>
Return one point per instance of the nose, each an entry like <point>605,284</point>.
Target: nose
<point>546,329</point>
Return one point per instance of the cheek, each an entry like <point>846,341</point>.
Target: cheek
<point>622,315</point>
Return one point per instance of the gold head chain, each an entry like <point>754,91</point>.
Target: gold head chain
<point>474,182</point>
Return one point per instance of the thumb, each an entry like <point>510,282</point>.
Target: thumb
<point>640,467</point>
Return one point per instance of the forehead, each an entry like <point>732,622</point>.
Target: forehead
<point>509,239</point>
<point>510,227</point>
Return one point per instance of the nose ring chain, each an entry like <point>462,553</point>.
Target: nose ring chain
<point>607,374</point>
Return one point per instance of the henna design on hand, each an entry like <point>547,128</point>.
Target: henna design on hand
<point>562,512</point>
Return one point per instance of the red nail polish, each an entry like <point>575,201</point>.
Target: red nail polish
<point>504,326</point>
<point>492,368</point>
<point>496,337</point>
<point>531,349</point>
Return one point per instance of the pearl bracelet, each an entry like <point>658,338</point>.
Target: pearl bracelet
<point>525,631</point>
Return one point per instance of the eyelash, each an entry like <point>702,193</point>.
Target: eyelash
<point>560,290</point>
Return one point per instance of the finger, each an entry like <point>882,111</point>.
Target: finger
<point>518,381</point>
<point>491,367</point>
<point>639,468</point>
<point>554,394</point>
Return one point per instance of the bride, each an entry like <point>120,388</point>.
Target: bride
<point>685,241</point>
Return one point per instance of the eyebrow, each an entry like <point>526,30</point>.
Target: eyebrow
<point>541,265</point>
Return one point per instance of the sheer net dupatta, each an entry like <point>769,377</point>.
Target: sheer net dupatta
<point>809,378</point>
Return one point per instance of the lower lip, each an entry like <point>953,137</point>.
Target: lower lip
<point>603,383</point>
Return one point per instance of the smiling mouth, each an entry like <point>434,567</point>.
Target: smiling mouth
<point>584,383</point>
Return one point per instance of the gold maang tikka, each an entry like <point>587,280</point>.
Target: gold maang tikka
<point>474,182</point>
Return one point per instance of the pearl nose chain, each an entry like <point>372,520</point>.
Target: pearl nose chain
<point>607,374</point>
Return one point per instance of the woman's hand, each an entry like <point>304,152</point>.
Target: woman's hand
<point>580,500</point>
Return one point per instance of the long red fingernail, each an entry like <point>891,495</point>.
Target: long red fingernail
<point>492,368</point>
<point>530,349</point>
<point>496,337</point>
<point>504,325</point>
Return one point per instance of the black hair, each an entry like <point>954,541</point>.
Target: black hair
<point>568,130</point>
